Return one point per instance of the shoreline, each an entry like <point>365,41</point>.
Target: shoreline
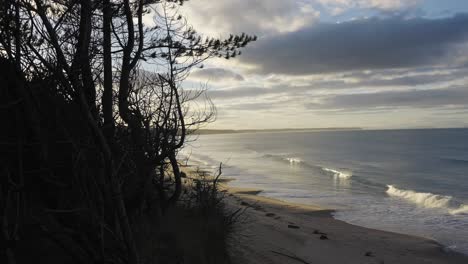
<point>280,231</point>
<point>275,231</point>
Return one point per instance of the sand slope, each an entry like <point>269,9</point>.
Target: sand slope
<point>271,229</point>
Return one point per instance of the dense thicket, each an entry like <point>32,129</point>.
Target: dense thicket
<point>93,117</point>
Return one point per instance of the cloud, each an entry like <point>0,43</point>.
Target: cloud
<point>390,5</point>
<point>376,43</point>
<point>453,97</point>
<point>396,78</point>
<point>404,66</point>
<point>368,92</point>
<point>255,106</point>
<point>253,16</point>
<point>429,98</point>
<point>275,16</point>
<point>216,75</point>
<point>235,93</point>
<point>238,92</point>
<point>350,82</point>
<point>384,5</point>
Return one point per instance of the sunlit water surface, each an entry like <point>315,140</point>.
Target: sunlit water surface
<point>407,181</point>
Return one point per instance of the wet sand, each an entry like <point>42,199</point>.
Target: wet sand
<point>273,231</point>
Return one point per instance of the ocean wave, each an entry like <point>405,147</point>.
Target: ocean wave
<point>461,210</point>
<point>429,200</point>
<point>339,174</point>
<point>293,160</point>
<point>284,158</point>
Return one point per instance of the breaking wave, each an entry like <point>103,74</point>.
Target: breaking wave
<point>429,200</point>
<point>283,158</point>
<point>463,209</point>
<point>339,174</point>
<point>293,160</point>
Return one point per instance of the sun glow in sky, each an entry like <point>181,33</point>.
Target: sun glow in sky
<point>337,63</point>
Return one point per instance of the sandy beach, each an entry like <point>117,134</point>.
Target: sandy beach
<point>273,231</point>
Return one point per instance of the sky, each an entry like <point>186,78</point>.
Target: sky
<point>337,63</point>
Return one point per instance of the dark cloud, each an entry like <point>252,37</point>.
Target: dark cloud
<point>389,78</point>
<point>376,43</point>
<point>453,96</point>
<point>216,75</point>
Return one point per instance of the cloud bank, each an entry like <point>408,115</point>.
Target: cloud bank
<point>216,75</point>
<point>374,43</point>
<point>449,97</point>
<point>368,63</point>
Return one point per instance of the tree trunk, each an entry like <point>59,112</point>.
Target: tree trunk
<point>177,178</point>
<point>107,63</point>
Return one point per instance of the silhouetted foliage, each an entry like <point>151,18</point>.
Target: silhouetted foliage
<point>94,116</point>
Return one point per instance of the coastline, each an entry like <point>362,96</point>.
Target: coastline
<point>275,231</point>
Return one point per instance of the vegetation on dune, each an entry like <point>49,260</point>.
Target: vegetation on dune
<point>94,116</point>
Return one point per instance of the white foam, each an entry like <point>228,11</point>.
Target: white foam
<point>429,200</point>
<point>461,210</point>
<point>339,174</point>
<point>293,160</point>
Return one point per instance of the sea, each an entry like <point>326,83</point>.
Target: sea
<point>407,181</point>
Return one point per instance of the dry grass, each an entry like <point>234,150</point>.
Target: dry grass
<point>196,231</point>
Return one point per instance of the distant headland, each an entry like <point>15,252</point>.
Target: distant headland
<point>237,131</point>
